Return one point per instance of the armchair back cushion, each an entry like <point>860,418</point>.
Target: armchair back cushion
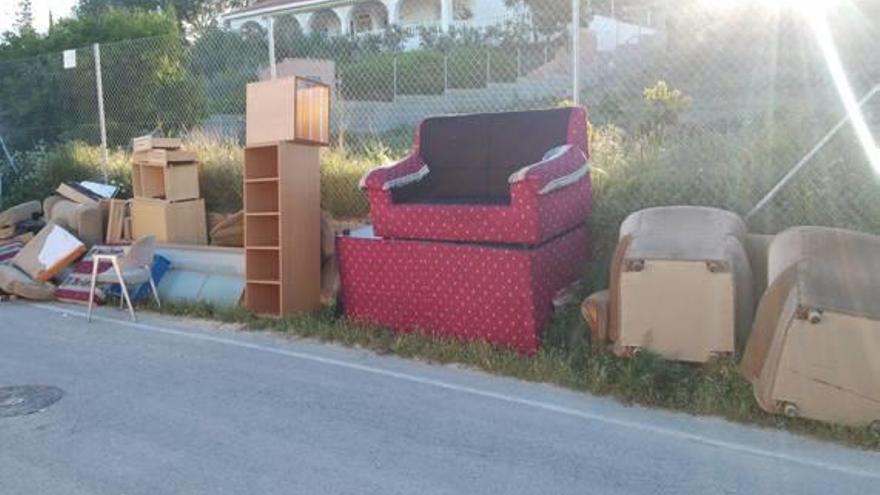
<point>470,157</point>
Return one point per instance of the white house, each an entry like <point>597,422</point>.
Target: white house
<point>360,16</point>
<point>343,17</point>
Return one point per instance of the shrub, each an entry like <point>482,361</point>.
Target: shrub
<point>220,173</point>
<point>371,79</point>
<point>42,169</point>
<point>420,73</point>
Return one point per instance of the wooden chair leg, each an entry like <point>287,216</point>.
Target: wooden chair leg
<point>92,288</point>
<point>124,289</point>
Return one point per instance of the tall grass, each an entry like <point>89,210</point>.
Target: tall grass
<point>42,169</point>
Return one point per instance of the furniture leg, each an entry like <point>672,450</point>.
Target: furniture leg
<point>124,289</point>
<point>153,286</point>
<point>92,287</point>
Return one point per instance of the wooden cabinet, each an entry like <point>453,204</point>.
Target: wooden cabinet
<point>173,182</point>
<point>180,222</point>
<point>282,231</point>
<point>288,109</point>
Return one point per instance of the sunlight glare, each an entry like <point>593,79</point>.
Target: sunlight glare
<point>825,40</point>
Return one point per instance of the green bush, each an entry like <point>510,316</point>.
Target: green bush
<point>146,81</point>
<point>467,68</point>
<point>43,169</point>
<point>420,73</point>
<point>503,65</point>
<point>371,78</point>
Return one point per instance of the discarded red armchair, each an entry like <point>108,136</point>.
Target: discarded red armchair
<point>475,232</point>
<point>512,177</point>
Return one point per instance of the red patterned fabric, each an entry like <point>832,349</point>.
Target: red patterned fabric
<point>75,287</point>
<point>499,294</point>
<point>378,177</point>
<point>8,250</point>
<point>526,217</point>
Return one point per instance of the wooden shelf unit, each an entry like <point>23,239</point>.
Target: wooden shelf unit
<point>282,230</point>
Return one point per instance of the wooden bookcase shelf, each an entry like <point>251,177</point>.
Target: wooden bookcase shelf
<point>282,232</point>
<point>261,163</point>
<point>263,298</point>
<point>261,197</point>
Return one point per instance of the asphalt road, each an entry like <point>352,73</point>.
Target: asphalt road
<point>182,407</point>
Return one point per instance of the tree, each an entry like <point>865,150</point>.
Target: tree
<point>550,17</point>
<point>147,83</point>
<point>194,15</point>
<point>24,18</point>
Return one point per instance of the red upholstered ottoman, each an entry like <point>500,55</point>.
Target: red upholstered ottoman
<point>498,293</point>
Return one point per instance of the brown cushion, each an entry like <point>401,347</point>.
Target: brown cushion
<point>19,213</point>
<point>15,281</point>
<point>86,222</point>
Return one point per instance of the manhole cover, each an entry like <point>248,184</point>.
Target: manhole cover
<point>27,399</point>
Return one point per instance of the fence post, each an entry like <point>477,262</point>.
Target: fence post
<point>518,62</point>
<point>575,50</point>
<point>273,69</point>
<point>102,121</point>
<point>488,67</point>
<point>394,72</point>
<point>445,73</point>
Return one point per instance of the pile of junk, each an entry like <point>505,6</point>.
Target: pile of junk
<point>473,236</point>
<point>84,244</point>
<point>799,308</point>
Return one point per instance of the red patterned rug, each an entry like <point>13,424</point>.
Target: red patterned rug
<point>75,288</point>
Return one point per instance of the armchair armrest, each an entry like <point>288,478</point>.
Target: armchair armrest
<point>560,167</point>
<point>410,169</point>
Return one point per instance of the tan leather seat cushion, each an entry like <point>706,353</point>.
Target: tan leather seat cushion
<point>19,213</point>
<point>15,281</point>
<point>86,222</point>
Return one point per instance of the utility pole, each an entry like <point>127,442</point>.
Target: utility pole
<point>575,50</point>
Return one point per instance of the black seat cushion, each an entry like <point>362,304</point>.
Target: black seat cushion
<point>470,157</point>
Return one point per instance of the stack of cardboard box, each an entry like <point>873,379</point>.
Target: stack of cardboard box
<point>166,203</point>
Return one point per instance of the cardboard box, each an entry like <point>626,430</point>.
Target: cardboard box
<point>180,222</point>
<point>288,109</point>
<point>173,183</point>
<point>51,251</point>
<point>146,143</point>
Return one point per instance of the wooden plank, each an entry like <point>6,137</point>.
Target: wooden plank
<point>182,182</point>
<point>164,158</point>
<point>300,221</point>
<point>269,111</point>
<point>146,143</point>
<point>126,229</point>
<point>77,194</point>
<point>136,182</point>
<point>116,221</point>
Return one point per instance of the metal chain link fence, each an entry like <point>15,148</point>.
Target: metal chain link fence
<point>692,102</point>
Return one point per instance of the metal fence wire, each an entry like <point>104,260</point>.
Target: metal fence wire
<point>691,102</point>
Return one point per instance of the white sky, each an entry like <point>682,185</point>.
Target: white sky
<point>59,8</point>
